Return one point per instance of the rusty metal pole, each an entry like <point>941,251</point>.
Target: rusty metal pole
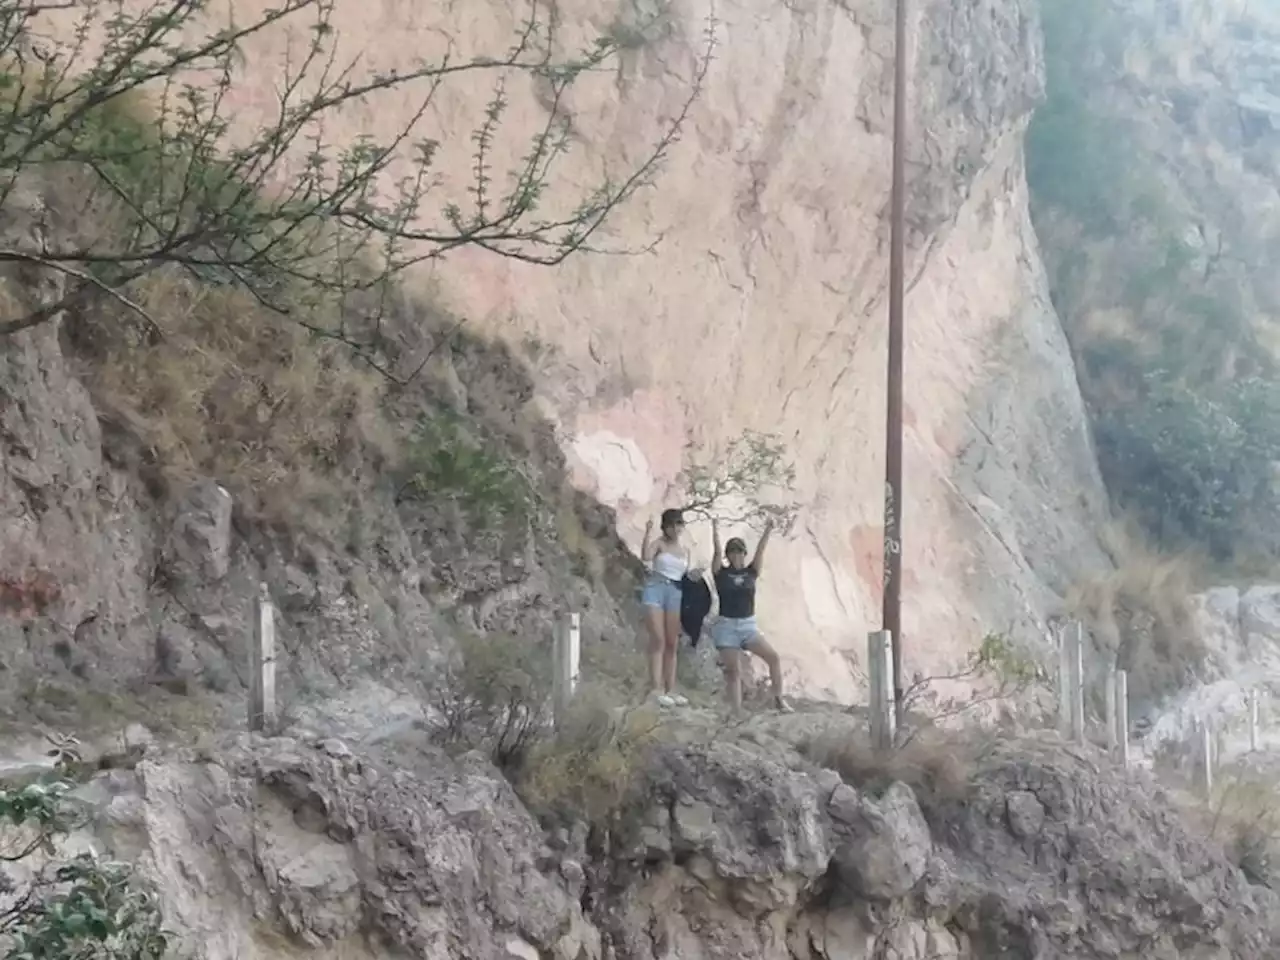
<point>893,499</point>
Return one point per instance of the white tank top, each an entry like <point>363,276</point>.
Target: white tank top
<point>669,565</point>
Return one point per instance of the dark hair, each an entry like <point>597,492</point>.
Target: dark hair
<point>671,518</point>
<point>735,544</point>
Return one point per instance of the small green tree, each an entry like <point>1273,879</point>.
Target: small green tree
<point>736,486</point>
<point>82,908</point>
<point>134,101</point>
<point>445,463</point>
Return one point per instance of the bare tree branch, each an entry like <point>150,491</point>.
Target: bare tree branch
<point>278,210</point>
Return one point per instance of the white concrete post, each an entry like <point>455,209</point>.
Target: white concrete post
<point>1122,715</point>
<point>1204,756</point>
<point>1064,679</point>
<point>1071,682</point>
<point>880,675</point>
<point>262,665</point>
<point>567,653</point>
<point>1254,728</point>
<point>1077,688</point>
<point>1113,719</point>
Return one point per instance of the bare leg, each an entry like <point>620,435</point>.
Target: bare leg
<point>732,661</point>
<point>654,620</point>
<point>670,648</point>
<point>759,646</point>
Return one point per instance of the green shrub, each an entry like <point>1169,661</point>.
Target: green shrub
<point>73,909</point>
<point>445,463</point>
<point>1195,464</point>
<point>1160,344</point>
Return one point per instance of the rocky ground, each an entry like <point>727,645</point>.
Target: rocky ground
<point>777,838</point>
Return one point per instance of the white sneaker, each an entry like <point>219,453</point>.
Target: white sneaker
<point>782,705</point>
<point>663,700</point>
<point>679,701</point>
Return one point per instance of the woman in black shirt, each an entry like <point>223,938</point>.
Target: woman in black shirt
<point>736,631</point>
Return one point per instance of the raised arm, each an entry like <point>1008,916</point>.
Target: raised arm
<point>758,560</point>
<point>649,546</point>
<point>717,555</point>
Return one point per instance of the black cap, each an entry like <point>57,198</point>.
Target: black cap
<point>735,545</point>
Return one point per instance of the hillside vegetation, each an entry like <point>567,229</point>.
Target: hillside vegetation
<point>1153,283</point>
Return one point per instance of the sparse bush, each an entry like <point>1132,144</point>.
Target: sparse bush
<point>81,908</point>
<point>939,766</point>
<point>1140,613</point>
<point>1243,814</point>
<point>445,463</point>
<point>997,672</point>
<point>590,766</point>
<point>495,697</point>
<point>747,482</point>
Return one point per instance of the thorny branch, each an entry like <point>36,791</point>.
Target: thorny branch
<point>1006,673</point>
<point>295,220</point>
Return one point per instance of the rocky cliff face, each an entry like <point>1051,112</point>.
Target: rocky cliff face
<point>764,308</point>
<point>734,845</point>
<point>764,305</point>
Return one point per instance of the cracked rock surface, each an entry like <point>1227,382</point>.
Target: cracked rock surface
<point>729,847</point>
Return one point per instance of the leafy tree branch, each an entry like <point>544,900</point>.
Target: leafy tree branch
<point>734,486</point>
<point>134,107</point>
<point>82,908</point>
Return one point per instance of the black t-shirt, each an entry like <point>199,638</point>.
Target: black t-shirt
<point>737,590</point>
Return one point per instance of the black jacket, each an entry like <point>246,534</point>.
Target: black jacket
<point>695,604</point>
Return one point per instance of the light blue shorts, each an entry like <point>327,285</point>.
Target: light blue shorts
<point>661,593</point>
<point>734,634</point>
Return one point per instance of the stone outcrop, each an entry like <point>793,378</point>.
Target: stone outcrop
<point>731,846</point>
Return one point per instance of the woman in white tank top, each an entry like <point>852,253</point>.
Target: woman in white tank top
<point>668,562</point>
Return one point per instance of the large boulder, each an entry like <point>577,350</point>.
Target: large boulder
<point>888,846</point>
<point>270,839</point>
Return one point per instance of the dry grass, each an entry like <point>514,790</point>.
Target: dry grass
<point>938,765</point>
<point>583,550</point>
<point>1243,814</point>
<point>231,391</point>
<point>594,761</point>
<point>1141,611</point>
<point>54,704</point>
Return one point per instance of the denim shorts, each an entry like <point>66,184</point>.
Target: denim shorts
<point>661,593</point>
<point>730,633</point>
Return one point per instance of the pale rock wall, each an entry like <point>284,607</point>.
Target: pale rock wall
<point>764,306</point>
